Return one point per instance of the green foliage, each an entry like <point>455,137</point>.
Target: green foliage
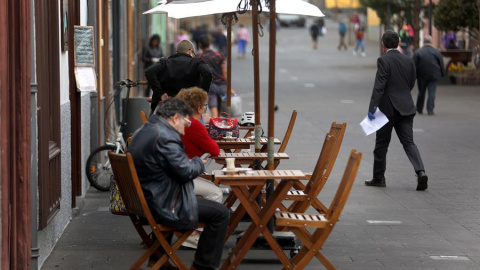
<point>456,15</point>
<point>396,7</point>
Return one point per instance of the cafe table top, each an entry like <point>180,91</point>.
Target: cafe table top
<point>254,175</point>
<point>249,156</point>
<point>242,143</point>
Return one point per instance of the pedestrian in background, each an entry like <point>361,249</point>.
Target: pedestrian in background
<point>314,34</point>
<point>221,41</point>
<point>429,65</point>
<point>449,41</point>
<point>218,87</point>
<point>391,94</point>
<point>342,31</point>
<point>242,39</point>
<point>182,35</point>
<point>181,70</point>
<point>360,42</point>
<point>355,20</point>
<point>406,41</point>
<point>151,54</point>
<point>196,33</point>
<point>321,25</point>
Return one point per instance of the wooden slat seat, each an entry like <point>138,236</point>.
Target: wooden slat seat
<point>323,223</point>
<point>138,209</point>
<point>306,220</point>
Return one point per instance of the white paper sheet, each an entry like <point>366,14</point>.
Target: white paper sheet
<point>370,127</point>
<point>86,79</point>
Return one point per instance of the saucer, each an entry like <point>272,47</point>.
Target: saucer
<point>229,138</point>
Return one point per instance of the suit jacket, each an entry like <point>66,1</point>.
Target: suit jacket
<point>394,82</point>
<point>429,63</point>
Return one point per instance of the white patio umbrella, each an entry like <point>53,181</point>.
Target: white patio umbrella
<point>186,10</point>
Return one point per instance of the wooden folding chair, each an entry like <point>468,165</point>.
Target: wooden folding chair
<point>305,196</point>
<point>322,223</point>
<point>143,116</point>
<point>137,208</point>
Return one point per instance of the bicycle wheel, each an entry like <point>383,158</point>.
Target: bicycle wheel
<point>98,167</point>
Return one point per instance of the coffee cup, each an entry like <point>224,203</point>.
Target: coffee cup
<point>228,134</point>
<point>230,164</point>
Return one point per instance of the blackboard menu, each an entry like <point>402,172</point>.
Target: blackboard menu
<point>84,49</point>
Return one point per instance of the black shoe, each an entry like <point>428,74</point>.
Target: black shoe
<point>375,182</point>
<point>422,179</point>
<point>419,112</point>
<point>430,113</point>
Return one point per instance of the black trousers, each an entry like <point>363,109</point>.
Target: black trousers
<point>403,126</point>
<point>212,239</point>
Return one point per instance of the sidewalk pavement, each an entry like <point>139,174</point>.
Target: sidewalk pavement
<point>381,228</point>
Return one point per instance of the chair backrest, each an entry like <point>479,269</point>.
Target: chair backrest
<point>319,175</point>
<point>343,191</point>
<point>326,160</point>
<point>143,116</point>
<point>127,180</point>
<point>286,138</point>
<point>338,130</point>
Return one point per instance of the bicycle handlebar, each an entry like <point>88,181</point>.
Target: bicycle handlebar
<point>129,83</point>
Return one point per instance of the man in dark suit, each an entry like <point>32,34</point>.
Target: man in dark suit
<point>391,94</point>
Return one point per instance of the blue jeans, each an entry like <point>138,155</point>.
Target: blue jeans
<point>361,44</point>
<point>210,245</point>
<point>422,88</point>
<point>242,47</point>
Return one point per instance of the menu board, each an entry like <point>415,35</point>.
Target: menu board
<point>84,49</point>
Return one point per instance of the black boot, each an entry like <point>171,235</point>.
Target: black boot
<point>375,182</point>
<point>422,180</point>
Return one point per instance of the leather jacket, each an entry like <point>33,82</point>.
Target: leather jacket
<point>176,72</point>
<point>166,173</point>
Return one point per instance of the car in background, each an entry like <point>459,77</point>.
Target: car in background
<point>291,20</point>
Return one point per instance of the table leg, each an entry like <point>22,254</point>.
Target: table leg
<point>260,218</point>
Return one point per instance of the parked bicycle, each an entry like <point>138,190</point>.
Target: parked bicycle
<point>98,168</point>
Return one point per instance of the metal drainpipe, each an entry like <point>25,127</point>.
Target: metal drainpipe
<point>35,250</point>
<point>33,174</point>
<point>116,50</point>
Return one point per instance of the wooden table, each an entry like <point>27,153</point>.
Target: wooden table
<point>246,187</point>
<point>250,130</point>
<point>247,157</point>
<point>241,143</point>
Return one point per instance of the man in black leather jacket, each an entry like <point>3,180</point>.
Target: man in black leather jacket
<point>181,70</point>
<point>163,167</point>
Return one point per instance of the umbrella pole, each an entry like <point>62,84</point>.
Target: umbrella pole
<point>271,101</point>
<point>256,78</point>
<point>271,85</point>
<point>229,64</point>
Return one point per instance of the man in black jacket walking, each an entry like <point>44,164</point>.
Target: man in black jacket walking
<point>391,94</point>
<point>429,64</point>
<point>181,70</point>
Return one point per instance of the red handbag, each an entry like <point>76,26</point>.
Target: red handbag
<point>219,126</point>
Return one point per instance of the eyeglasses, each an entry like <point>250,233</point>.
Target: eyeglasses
<point>194,55</point>
<point>205,106</point>
<point>187,121</point>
